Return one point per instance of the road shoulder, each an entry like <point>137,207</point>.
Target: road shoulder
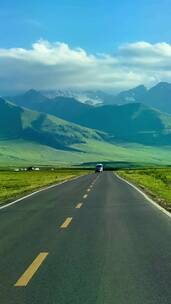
<point>144,195</point>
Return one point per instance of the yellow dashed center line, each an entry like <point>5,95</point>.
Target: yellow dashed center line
<point>30,271</point>
<point>66,223</point>
<point>78,206</point>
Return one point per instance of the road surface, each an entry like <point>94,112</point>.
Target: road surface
<point>93,240</point>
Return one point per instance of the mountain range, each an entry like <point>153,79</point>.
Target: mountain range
<point>131,122</point>
<point>92,97</point>
<point>159,96</point>
<point>66,124</point>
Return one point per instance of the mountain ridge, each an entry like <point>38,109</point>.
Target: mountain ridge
<point>158,96</point>
<point>132,122</point>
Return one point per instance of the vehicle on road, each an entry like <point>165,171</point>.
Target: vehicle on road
<point>99,168</point>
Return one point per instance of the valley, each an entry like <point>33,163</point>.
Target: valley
<point>26,153</point>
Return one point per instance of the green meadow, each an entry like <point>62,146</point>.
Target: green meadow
<point>155,182</point>
<point>15,153</point>
<point>14,184</point>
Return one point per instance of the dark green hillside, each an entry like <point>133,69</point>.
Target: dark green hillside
<point>159,97</point>
<point>64,107</point>
<point>10,120</point>
<point>130,123</point>
<point>122,120</point>
<point>21,123</point>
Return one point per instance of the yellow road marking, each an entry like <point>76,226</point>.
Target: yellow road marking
<point>30,271</point>
<point>85,196</point>
<point>67,222</point>
<point>79,206</point>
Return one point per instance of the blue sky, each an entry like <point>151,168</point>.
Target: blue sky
<point>84,44</point>
<point>95,25</point>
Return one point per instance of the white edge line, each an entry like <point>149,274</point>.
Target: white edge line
<point>145,196</point>
<point>37,191</point>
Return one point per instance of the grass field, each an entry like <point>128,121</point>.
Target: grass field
<point>23,153</point>
<point>155,182</point>
<point>15,184</point>
<point>100,151</point>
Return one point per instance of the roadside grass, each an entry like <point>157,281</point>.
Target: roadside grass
<point>15,184</point>
<point>155,182</point>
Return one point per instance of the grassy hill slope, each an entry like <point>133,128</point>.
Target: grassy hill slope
<point>21,123</point>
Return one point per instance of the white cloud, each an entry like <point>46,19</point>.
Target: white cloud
<point>56,65</point>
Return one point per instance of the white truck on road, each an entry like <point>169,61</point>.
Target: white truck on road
<point>99,168</point>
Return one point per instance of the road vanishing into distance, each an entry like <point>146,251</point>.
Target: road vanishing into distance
<point>92,240</point>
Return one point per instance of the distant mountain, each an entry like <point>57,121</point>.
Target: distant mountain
<point>21,123</point>
<point>98,97</point>
<point>93,97</point>
<point>28,99</point>
<point>159,97</point>
<point>134,95</point>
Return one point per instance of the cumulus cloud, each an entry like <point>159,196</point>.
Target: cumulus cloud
<point>57,65</point>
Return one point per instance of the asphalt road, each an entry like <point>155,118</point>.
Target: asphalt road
<point>93,240</point>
